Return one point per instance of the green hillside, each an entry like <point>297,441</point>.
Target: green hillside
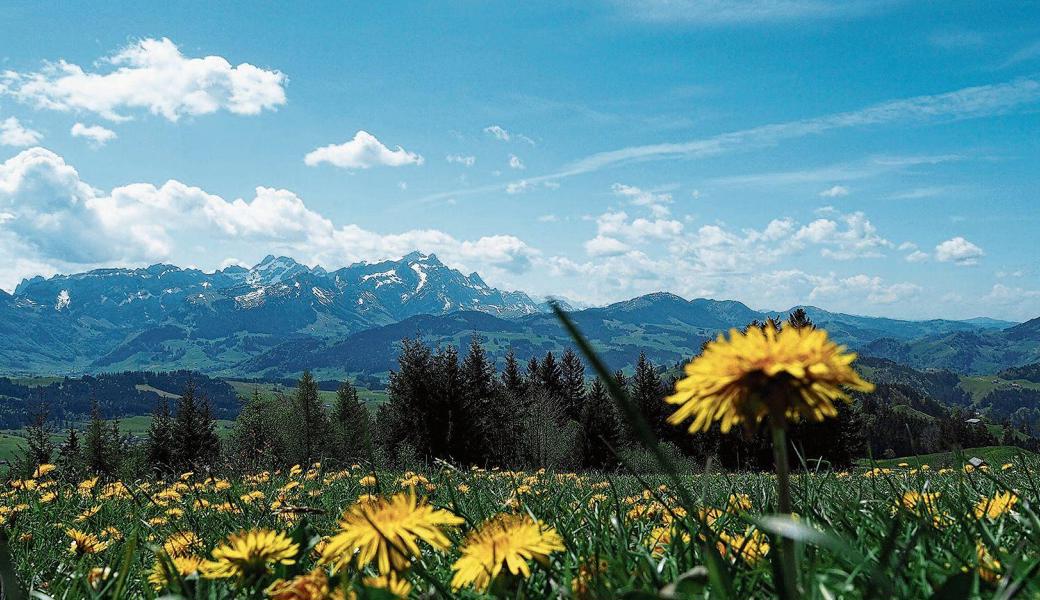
<point>994,455</point>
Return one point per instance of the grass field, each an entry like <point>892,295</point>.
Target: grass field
<point>994,455</point>
<point>890,533</point>
<point>373,398</point>
<point>980,385</point>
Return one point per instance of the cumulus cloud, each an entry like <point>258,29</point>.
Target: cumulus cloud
<point>854,236</point>
<point>917,256</point>
<point>362,152</point>
<point>52,219</point>
<point>13,133</point>
<point>515,162</point>
<point>835,191</point>
<point>97,135</point>
<point>151,75</point>
<point>873,289</point>
<point>958,251</point>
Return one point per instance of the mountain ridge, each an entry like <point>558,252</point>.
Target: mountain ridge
<point>262,320</point>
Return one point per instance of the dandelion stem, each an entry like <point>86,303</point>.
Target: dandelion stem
<point>783,488</point>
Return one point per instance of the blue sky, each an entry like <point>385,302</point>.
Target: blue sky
<point>871,157</point>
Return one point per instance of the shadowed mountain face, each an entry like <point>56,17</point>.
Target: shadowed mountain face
<point>281,317</point>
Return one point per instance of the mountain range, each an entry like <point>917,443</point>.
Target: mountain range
<point>281,317</point>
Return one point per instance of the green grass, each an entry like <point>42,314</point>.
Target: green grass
<point>994,455</point>
<point>980,385</point>
<point>627,534</point>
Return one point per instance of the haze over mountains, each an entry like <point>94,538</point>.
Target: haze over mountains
<point>281,317</point>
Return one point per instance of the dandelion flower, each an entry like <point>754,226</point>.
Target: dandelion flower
<point>989,567</point>
<point>506,541</point>
<point>250,554</point>
<point>309,586</point>
<point>387,531</point>
<point>797,373</point>
<point>184,566</point>
<point>42,470</point>
<point>391,583</point>
<point>750,548</point>
<point>84,543</point>
<point>997,506</point>
<point>182,543</point>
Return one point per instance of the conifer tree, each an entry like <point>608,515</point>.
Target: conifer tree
<point>310,422</point>
<point>70,455</point>
<point>512,379</point>
<point>479,394</point>
<point>601,425</point>
<point>572,379</point>
<point>252,440</point>
<point>160,437</point>
<point>648,393</point>
<point>550,377</point>
<point>100,453</point>
<point>351,426</point>
<point>800,319</point>
<point>39,447</point>
<point>195,442</point>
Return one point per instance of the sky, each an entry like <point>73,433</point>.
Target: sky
<point>875,157</point>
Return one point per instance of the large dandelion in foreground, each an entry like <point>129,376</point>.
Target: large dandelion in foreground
<point>506,541</point>
<point>764,374</point>
<point>387,531</point>
<point>792,374</point>
<point>250,555</point>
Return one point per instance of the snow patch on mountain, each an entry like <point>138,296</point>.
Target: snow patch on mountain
<point>63,301</point>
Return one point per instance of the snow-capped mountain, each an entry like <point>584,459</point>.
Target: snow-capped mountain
<point>130,316</point>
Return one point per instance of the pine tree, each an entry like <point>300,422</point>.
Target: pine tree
<point>195,442</point>
<point>100,454</point>
<point>512,379</point>
<point>70,458</point>
<point>40,448</point>
<point>479,394</point>
<point>160,437</point>
<point>602,427</point>
<point>572,379</point>
<point>550,377</point>
<point>648,394</point>
<point>534,373</point>
<point>800,319</point>
<point>252,441</point>
<point>310,421</point>
<point>351,426</point>
<point>406,418</point>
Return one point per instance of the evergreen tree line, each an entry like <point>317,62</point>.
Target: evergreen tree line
<point>542,413</point>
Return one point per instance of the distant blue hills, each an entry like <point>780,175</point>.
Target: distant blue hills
<point>280,317</point>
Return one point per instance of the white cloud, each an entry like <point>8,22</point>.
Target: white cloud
<point>96,134</point>
<point>53,221</point>
<point>548,219</point>
<point>871,288</point>
<point>519,186</point>
<point>13,133</point>
<point>958,251</point>
<point>152,75</point>
<point>917,256</point>
<point>468,161</point>
<point>854,237</point>
<point>362,152</point>
<point>657,201</point>
<point>835,191</point>
<point>500,133</point>
<point>602,245</point>
<point>515,162</point>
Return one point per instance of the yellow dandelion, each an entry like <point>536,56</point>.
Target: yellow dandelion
<point>84,543</point>
<point>387,531</point>
<point>796,373</point>
<point>99,575</point>
<point>250,555</point>
<point>391,583</point>
<point>43,469</point>
<point>184,566</point>
<point>86,514</point>
<point>750,548</point>
<point>997,506</point>
<point>308,586</point>
<point>739,503</point>
<point>989,567</point>
<point>506,541</point>
<point>182,543</point>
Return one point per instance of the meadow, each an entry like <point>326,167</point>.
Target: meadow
<point>909,531</point>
